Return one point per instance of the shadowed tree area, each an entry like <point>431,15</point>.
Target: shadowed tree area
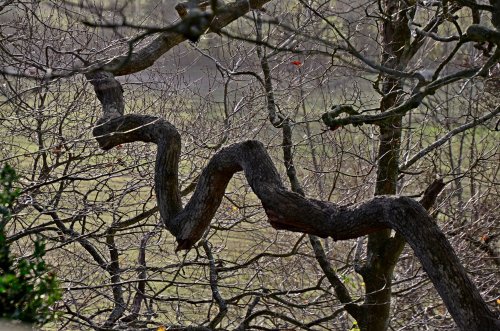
<point>383,116</point>
<point>27,288</point>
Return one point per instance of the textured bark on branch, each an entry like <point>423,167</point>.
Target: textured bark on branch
<point>146,56</point>
<point>286,210</point>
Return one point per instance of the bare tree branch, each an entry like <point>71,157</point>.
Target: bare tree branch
<point>145,57</point>
<point>447,137</point>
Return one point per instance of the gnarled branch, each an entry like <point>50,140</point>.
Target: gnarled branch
<point>143,58</point>
<point>288,210</point>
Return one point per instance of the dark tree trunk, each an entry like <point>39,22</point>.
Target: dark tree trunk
<point>382,250</point>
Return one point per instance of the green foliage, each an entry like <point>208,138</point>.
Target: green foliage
<point>355,327</point>
<point>27,288</point>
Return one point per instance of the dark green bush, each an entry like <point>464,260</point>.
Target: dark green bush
<point>27,287</point>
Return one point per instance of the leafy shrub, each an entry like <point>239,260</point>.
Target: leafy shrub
<point>27,287</point>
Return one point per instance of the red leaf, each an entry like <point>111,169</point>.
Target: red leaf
<point>297,63</point>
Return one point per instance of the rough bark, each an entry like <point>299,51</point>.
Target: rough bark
<point>383,250</point>
<point>140,59</point>
<point>290,211</point>
<point>286,210</point>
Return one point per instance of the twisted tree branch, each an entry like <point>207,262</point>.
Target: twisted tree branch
<point>288,210</point>
<point>138,60</point>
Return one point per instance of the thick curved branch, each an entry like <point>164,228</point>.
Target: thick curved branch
<point>129,128</point>
<point>481,33</point>
<point>114,129</point>
<point>285,209</point>
<point>146,56</point>
<point>291,211</point>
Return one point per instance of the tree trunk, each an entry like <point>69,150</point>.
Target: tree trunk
<point>382,250</point>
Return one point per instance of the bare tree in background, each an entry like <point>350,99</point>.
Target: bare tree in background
<point>349,100</point>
